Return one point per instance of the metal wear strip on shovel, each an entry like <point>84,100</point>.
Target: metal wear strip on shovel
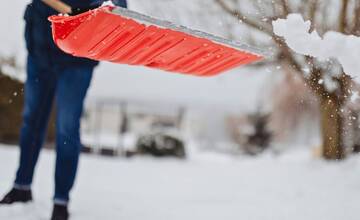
<point>123,36</point>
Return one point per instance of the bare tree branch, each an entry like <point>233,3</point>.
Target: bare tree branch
<point>343,16</point>
<point>345,84</point>
<point>285,6</point>
<point>356,19</point>
<point>238,15</point>
<point>313,8</point>
<point>285,55</point>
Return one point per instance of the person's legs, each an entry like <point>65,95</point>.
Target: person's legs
<point>39,94</point>
<point>71,90</point>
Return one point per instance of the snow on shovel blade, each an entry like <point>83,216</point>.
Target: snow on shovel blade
<point>123,36</point>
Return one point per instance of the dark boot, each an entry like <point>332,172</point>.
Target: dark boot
<point>60,212</point>
<point>17,195</point>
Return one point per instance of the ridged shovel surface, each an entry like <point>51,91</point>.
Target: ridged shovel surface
<point>122,36</point>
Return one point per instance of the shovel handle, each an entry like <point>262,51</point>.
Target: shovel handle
<point>59,6</point>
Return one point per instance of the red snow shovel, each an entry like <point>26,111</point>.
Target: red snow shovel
<point>123,36</point>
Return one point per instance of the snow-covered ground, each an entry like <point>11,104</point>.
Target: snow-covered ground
<point>207,186</point>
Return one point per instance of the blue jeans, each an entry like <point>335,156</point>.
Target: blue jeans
<point>68,88</point>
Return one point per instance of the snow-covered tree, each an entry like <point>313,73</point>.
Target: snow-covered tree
<point>326,80</point>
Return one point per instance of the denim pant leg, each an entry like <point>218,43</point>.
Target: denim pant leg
<point>71,90</point>
<point>39,94</point>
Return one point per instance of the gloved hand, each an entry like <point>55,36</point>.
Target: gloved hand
<point>96,4</point>
<point>77,10</point>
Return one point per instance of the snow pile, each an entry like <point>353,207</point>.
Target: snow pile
<point>333,45</point>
